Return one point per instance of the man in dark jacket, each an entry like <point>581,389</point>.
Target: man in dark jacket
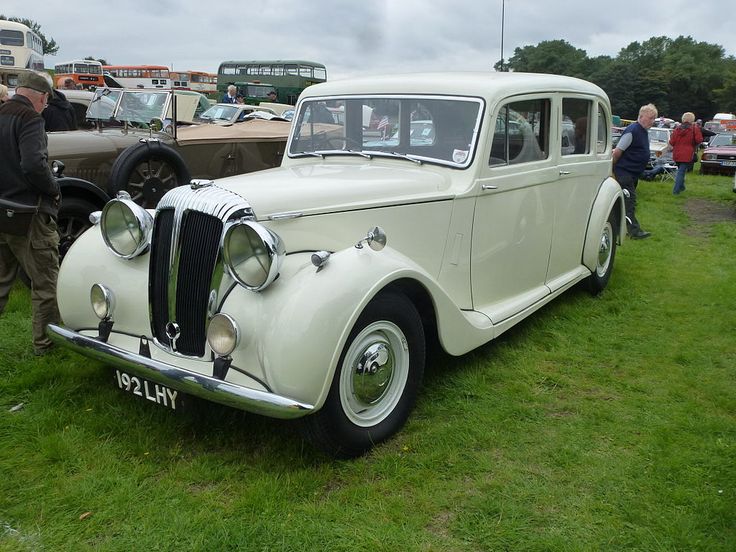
<point>25,178</point>
<point>630,158</point>
<point>59,114</point>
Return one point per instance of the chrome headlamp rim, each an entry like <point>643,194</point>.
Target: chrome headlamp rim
<point>100,297</point>
<point>219,322</point>
<point>272,245</point>
<point>143,221</point>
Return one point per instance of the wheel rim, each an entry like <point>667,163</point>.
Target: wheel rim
<point>374,373</point>
<point>149,182</point>
<point>70,228</point>
<point>605,250</point>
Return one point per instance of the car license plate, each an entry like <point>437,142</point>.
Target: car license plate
<point>729,163</point>
<point>149,390</point>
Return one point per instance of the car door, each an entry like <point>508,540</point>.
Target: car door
<point>513,223</point>
<point>584,124</point>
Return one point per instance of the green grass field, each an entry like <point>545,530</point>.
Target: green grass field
<point>603,423</point>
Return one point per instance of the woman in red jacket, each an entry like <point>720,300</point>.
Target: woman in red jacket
<point>684,141</point>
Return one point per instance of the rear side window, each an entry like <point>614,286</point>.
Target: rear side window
<point>575,137</point>
<point>603,132</point>
<point>521,134</point>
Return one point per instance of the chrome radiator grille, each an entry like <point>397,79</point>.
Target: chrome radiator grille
<point>185,272</point>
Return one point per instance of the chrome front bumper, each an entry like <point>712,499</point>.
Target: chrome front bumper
<point>191,383</point>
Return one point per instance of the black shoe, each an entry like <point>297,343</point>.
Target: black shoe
<point>640,235</point>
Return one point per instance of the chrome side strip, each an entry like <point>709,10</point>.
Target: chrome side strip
<point>191,383</point>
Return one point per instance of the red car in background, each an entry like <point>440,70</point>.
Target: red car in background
<point>720,155</point>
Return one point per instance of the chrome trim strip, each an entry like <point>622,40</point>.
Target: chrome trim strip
<point>191,383</point>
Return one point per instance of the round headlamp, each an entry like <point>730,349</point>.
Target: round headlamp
<point>253,254</point>
<point>223,334</point>
<point>126,226</point>
<point>102,300</point>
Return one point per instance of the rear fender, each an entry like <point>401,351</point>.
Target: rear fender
<point>610,197</point>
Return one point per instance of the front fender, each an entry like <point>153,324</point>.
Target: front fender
<point>297,328</point>
<point>610,197</point>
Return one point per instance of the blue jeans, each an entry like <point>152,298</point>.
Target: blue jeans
<point>680,178</point>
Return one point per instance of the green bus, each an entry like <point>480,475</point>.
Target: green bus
<point>288,77</point>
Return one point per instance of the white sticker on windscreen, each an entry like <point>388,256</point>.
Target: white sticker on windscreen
<point>459,156</point>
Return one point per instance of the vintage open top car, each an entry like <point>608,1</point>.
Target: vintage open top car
<point>311,290</point>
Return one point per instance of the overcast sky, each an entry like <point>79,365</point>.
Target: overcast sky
<point>353,37</point>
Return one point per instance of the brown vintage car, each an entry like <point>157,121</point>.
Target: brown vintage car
<point>145,143</point>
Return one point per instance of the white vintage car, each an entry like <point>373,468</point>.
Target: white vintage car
<point>311,290</point>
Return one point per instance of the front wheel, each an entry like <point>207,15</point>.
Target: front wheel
<point>376,381</point>
<point>598,281</point>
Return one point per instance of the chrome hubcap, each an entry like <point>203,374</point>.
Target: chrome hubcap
<point>374,373</point>
<point>604,250</point>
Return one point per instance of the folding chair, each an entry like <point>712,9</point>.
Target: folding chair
<point>670,169</point>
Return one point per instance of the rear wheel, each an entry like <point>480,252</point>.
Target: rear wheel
<point>376,381</point>
<point>607,244</point>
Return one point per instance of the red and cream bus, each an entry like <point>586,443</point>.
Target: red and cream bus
<point>84,72</point>
<point>140,76</point>
<point>180,80</point>
<point>204,83</point>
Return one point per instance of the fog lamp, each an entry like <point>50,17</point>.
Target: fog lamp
<point>102,300</point>
<point>223,334</point>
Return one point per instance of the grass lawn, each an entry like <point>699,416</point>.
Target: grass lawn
<point>603,423</point>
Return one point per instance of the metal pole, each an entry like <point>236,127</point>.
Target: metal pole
<point>503,18</point>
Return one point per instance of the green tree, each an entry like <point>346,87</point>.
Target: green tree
<point>101,60</point>
<point>49,45</point>
<point>550,56</point>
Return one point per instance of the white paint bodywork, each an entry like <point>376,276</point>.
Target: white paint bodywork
<point>487,245</point>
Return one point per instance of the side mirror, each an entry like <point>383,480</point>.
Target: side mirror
<point>375,238</point>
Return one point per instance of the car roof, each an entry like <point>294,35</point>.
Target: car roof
<point>489,85</point>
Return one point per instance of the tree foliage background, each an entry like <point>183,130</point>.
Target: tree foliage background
<point>676,75</point>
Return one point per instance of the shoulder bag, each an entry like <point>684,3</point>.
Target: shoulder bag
<point>15,218</point>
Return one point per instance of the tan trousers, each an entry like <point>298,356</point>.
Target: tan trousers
<point>38,254</point>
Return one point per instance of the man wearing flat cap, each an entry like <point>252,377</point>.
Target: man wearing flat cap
<point>27,185</point>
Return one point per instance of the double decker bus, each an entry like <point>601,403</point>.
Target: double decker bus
<point>287,77</point>
<point>140,76</point>
<point>84,72</point>
<point>20,48</point>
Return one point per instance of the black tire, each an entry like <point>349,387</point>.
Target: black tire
<point>147,171</point>
<point>388,344</point>
<point>598,280</point>
<point>73,220</point>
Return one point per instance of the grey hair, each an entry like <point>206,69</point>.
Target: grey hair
<point>688,117</point>
<point>648,109</point>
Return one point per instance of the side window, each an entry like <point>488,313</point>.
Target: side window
<point>575,137</point>
<point>603,132</point>
<point>521,133</point>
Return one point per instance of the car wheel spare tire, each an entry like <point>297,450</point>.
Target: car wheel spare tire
<point>147,171</point>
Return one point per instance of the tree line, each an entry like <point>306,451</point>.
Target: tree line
<point>676,75</point>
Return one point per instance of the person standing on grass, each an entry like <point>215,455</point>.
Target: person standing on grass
<point>684,141</point>
<point>27,183</point>
<point>630,158</point>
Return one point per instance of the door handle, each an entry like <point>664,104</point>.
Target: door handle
<point>563,173</point>
<point>488,187</point>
